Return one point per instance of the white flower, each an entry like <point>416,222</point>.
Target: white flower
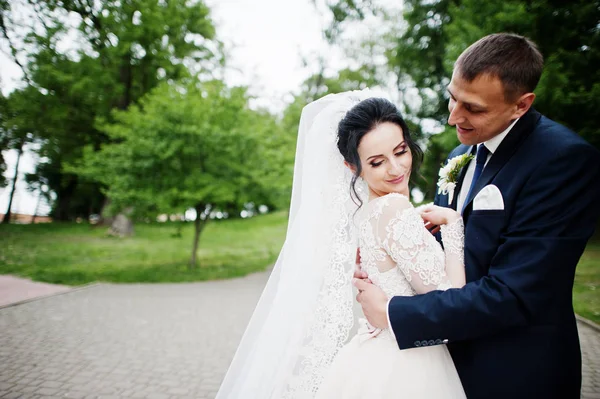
<point>449,174</point>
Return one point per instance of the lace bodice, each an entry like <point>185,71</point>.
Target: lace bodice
<point>399,254</point>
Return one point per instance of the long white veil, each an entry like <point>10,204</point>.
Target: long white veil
<point>305,313</point>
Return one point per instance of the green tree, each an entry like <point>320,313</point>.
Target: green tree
<point>415,42</point>
<point>568,36</point>
<point>320,84</point>
<point>121,50</point>
<point>195,146</point>
<point>17,129</point>
<point>416,46</point>
<point>432,34</point>
<point>313,88</point>
<point>418,54</point>
<point>4,138</point>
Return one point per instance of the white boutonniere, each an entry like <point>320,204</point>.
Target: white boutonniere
<point>449,175</point>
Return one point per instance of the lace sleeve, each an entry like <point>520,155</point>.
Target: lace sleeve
<point>453,237</point>
<point>415,251</point>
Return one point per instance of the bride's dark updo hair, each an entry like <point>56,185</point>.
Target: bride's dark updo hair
<point>360,120</point>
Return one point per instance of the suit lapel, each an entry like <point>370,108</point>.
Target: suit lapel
<point>461,179</point>
<point>505,151</point>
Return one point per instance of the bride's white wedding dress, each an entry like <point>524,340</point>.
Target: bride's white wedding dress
<point>402,257</point>
<point>296,345</point>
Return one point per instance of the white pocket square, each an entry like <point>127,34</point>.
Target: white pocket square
<point>489,198</point>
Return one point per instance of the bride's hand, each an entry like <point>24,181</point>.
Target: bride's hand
<point>434,215</point>
<point>358,271</point>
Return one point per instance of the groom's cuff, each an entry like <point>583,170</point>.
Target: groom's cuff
<point>387,313</point>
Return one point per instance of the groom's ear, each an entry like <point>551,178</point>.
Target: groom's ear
<point>523,104</point>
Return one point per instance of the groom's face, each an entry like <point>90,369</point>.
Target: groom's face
<point>479,109</point>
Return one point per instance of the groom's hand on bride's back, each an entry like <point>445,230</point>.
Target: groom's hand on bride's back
<point>373,301</point>
<point>361,275</point>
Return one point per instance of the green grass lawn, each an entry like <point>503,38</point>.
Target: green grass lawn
<point>586,292</point>
<point>80,253</point>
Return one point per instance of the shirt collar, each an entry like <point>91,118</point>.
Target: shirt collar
<point>493,143</point>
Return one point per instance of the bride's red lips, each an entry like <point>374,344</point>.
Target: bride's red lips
<point>397,180</point>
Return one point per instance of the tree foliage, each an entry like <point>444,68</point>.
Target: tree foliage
<point>196,146</point>
<point>85,58</point>
<point>17,129</point>
<point>432,34</point>
<point>567,34</point>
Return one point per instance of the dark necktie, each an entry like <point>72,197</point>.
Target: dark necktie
<point>482,154</point>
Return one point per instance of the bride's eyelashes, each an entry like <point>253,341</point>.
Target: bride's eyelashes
<point>399,153</point>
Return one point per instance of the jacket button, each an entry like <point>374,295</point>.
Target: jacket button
<point>438,341</point>
<point>445,341</point>
<point>423,343</point>
<point>431,342</point>
<point>417,343</point>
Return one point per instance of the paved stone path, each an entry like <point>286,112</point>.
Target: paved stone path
<point>590,354</point>
<point>126,341</point>
<point>168,341</point>
<point>15,289</point>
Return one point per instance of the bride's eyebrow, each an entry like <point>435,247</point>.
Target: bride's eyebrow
<point>395,148</point>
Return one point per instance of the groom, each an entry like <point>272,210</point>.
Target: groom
<point>530,201</point>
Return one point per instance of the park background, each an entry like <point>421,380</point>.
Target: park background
<point>157,138</point>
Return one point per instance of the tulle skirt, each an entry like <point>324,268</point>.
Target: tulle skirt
<point>375,368</point>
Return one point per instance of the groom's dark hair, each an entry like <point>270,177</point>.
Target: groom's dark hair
<point>513,59</point>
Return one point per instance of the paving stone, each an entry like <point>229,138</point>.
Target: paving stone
<point>157,396</point>
<point>46,391</point>
<point>74,394</point>
<point>5,386</point>
<point>178,391</point>
<point>51,384</point>
<point>154,341</point>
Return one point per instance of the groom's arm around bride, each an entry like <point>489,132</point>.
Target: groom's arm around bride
<point>511,329</point>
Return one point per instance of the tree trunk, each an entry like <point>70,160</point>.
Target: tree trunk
<point>105,218</point>
<point>14,187</point>
<point>126,79</point>
<point>178,230</point>
<point>37,207</point>
<point>121,225</point>
<point>199,225</point>
<point>62,211</point>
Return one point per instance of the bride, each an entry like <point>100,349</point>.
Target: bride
<point>354,159</point>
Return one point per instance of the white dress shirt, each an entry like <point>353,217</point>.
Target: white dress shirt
<point>492,145</point>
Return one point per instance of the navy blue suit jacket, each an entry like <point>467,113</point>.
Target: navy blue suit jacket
<point>511,329</point>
